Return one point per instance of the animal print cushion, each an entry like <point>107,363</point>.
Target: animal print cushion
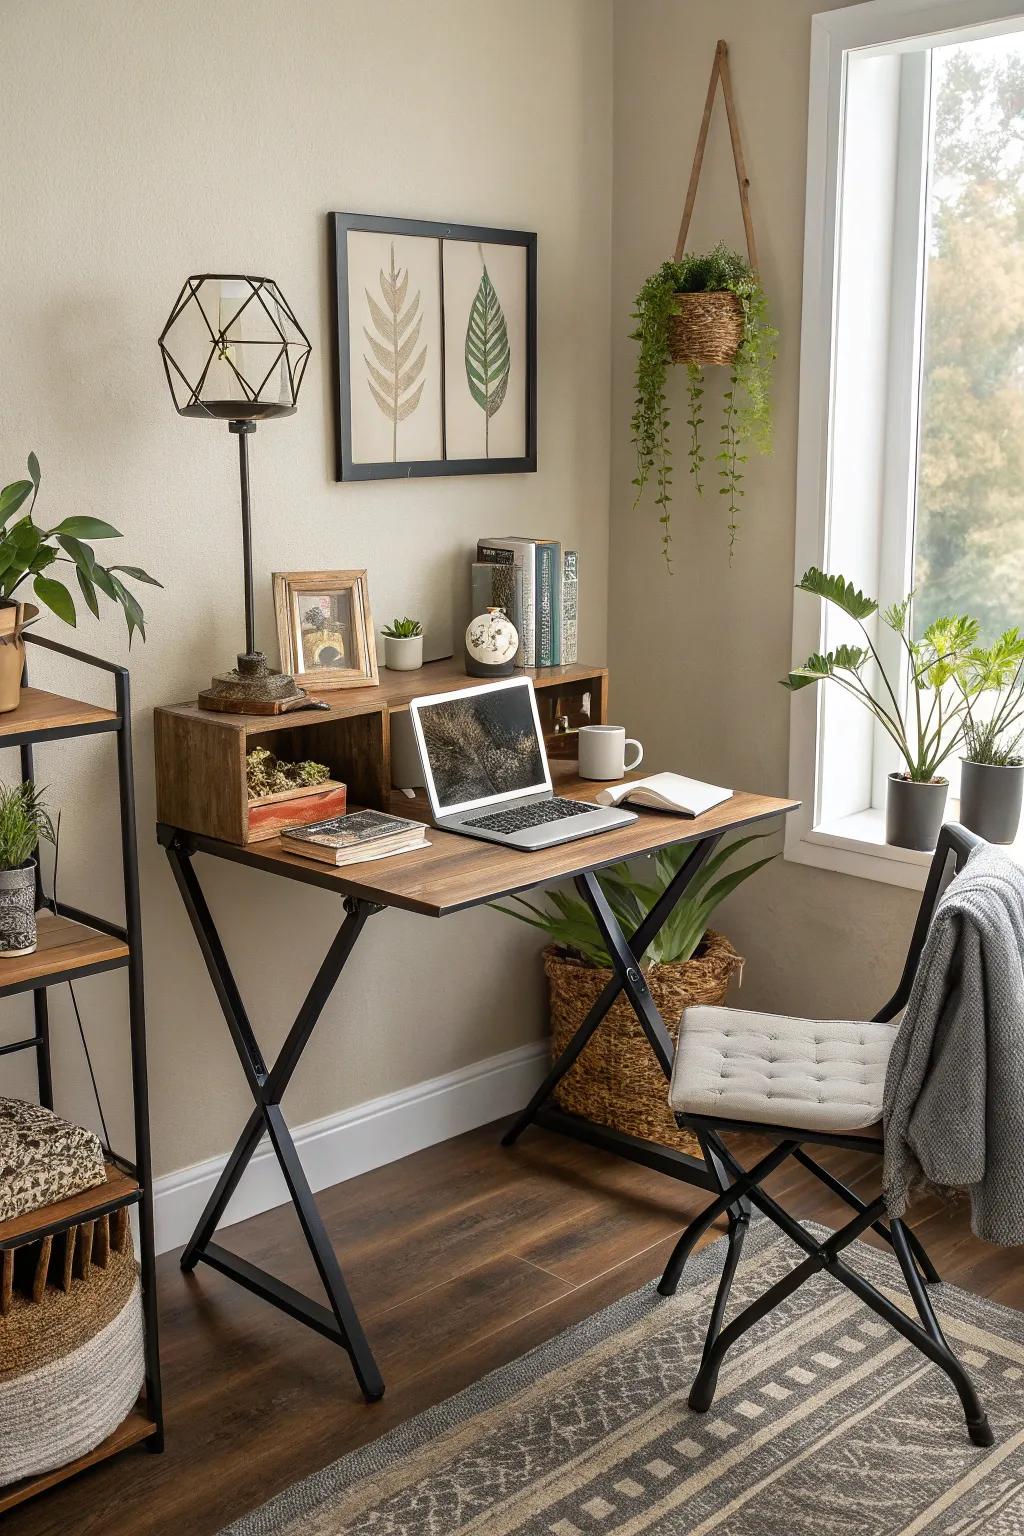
<point>43,1158</point>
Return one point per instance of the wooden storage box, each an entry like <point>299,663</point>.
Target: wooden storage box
<point>270,814</point>
<point>200,755</point>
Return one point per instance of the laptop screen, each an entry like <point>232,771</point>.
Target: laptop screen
<point>482,744</point>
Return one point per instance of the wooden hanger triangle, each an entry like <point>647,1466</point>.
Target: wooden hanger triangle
<point>719,72</point>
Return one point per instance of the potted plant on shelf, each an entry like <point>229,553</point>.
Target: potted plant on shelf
<point>403,645</point>
<point>28,552</point>
<point>992,769</point>
<point>946,673</point>
<point>616,1081</point>
<point>701,310</point>
<point>23,823</point>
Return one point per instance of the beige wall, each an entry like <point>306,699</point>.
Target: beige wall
<point>147,139</point>
<point>698,655</point>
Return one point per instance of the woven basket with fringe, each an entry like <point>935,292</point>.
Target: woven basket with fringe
<point>705,328</point>
<point>617,1081</point>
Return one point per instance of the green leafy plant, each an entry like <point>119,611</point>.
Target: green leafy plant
<point>993,741</point>
<point>747,415</point>
<point>947,671</point>
<point>266,774</point>
<point>568,920</point>
<point>488,356</point>
<point>24,822</point>
<point>402,629</point>
<point>28,551</point>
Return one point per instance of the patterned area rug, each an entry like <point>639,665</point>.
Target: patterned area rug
<point>826,1423</point>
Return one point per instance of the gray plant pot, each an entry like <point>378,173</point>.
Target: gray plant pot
<point>913,812</point>
<point>18,910</point>
<point>990,800</point>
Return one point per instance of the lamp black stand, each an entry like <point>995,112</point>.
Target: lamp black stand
<point>242,429</point>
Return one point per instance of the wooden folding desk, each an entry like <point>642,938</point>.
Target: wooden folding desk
<point>454,873</point>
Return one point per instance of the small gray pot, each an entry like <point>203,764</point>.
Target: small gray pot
<point>18,910</point>
<point>913,812</point>
<point>990,800</point>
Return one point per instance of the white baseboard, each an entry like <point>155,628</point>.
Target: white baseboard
<point>355,1140</point>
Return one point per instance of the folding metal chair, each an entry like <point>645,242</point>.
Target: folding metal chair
<point>800,1082</point>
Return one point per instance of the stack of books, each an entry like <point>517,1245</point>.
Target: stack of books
<point>357,838</point>
<point>535,582</point>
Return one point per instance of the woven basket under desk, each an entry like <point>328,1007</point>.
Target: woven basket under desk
<point>616,1081</point>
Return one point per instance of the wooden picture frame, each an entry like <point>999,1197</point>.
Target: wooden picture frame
<point>345,631</point>
<point>459,400</point>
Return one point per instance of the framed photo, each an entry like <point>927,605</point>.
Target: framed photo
<point>325,629</point>
<point>435,357</point>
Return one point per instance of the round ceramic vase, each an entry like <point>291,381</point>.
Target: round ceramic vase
<point>491,644</point>
<point>990,800</point>
<point>913,812</point>
<point>18,910</point>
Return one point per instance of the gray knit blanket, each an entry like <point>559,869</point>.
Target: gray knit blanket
<point>954,1089</point>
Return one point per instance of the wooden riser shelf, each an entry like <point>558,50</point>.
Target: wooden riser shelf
<point>42,716</point>
<point>200,755</point>
<point>131,1431</point>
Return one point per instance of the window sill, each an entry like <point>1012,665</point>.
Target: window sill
<point>855,845</point>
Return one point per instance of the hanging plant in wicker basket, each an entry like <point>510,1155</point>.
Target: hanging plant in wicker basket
<point>704,310</point>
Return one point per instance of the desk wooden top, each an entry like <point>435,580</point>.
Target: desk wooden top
<point>458,872</point>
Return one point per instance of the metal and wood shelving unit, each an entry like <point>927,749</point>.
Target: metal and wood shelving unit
<point>74,944</point>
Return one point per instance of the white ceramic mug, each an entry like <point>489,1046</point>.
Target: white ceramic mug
<point>602,751</point>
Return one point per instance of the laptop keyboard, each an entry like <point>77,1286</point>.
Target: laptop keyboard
<point>531,815</point>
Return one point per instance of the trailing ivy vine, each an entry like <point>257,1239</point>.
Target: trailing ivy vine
<point>747,416</point>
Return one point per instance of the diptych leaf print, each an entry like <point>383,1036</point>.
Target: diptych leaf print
<point>392,378</point>
<point>488,357</point>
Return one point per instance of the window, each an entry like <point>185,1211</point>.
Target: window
<point>911,457</point>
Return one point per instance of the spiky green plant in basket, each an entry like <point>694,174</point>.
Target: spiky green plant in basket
<point>570,923</point>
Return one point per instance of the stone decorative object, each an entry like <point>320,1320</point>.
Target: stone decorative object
<point>491,644</point>
<point>18,934</point>
<point>43,1158</point>
<point>253,688</point>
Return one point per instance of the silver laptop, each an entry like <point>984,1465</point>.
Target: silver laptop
<point>486,770</point>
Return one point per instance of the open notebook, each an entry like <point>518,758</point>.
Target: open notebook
<point>666,792</point>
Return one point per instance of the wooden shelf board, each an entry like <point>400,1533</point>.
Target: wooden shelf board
<point>135,1428</point>
<point>44,713</point>
<point>63,945</point>
<point>393,693</point>
<point>118,1189</point>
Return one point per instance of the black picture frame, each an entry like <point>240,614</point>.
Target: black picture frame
<point>339,226</point>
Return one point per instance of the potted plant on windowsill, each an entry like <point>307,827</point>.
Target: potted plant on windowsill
<point>23,823</point>
<point>616,1081</point>
<point>28,552</point>
<point>992,769</point>
<point>702,310</point>
<point>946,672</point>
<point>403,645</point>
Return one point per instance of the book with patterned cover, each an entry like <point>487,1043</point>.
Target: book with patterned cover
<point>350,839</point>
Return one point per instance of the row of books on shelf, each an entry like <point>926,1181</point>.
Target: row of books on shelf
<point>536,582</point>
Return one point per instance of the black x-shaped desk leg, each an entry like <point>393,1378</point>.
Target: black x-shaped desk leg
<point>340,1322</point>
<point>628,978</point>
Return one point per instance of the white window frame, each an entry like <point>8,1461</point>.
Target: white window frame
<point>854,843</point>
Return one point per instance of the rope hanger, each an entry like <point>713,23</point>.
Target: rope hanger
<point>719,72</point>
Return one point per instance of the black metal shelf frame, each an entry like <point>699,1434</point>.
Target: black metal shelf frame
<point>130,932</point>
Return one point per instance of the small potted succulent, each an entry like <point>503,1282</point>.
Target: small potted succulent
<point>403,645</point>
<point>992,770</point>
<point>948,672</point>
<point>24,822</point>
<point>31,553</point>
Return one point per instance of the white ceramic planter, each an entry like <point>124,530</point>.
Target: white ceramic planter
<point>403,655</point>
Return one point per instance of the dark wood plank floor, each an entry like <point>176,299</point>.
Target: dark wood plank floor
<point>460,1259</point>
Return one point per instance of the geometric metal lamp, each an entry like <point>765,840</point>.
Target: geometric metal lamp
<point>233,351</point>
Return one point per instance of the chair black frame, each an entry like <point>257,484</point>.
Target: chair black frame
<point>735,1201</point>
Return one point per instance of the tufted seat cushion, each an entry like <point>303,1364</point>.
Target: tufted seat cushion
<point>811,1074</point>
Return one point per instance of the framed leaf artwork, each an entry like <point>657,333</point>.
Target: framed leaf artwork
<point>435,359</point>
